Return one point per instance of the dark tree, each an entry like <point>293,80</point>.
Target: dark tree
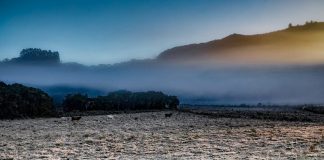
<point>121,100</point>
<point>36,56</point>
<point>173,102</point>
<point>18,101</point>
<point>75,102</point>
<point>290,25</point>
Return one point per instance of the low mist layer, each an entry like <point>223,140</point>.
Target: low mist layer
<point>192,85</point>
<point>282,67</point>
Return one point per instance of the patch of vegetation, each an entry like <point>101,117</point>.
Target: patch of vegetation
<point>121,100</point>
<point>35,56</point>
<point>19,101</point>
<point>314,109</point>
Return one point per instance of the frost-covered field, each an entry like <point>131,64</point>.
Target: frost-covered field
<point>151,135</point>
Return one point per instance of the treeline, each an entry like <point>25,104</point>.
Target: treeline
<point>19,101</point>
<point>35,56</point>
<point>121,100</point>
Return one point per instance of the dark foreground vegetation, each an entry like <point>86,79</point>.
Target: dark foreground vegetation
<point>19,101</point>
<point>121,100</point>
<point>314,109</point>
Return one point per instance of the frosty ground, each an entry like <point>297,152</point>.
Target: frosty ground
<point>151,135</point>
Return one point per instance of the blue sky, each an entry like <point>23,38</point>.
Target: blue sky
<point>111,31</point>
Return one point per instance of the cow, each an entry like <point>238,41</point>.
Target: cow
<point>75,118</point>
<point>168,115</point>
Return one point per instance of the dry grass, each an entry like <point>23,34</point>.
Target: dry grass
<point>152,136</point>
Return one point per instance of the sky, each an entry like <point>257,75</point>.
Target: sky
<point>111,31</point>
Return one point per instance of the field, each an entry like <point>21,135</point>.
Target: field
<point>152,135</point>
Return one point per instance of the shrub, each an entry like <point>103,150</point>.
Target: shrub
<point>121,100</point>
<point>75,102</point>
<point>18,101</point>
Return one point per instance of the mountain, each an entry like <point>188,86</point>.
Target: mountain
<point>295,45</point>
<point>301,44</point>
<point>208,81</point>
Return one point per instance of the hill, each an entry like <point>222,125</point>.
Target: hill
<point>293,45</point>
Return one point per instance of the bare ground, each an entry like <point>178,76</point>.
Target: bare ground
<point>151,135</point>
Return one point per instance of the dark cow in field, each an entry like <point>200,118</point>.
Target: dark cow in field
<point>75,118</point>
<point>168,115</point>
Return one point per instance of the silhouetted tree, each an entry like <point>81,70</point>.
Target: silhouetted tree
<point>173,102</point>
<point>18,101</point>
<point>75,102</point>
<point>36,56</point>
<point>121,100</point>
<point>290,25</point>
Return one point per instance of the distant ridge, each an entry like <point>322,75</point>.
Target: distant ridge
<point>199,83</point>
<point>295,44</point>
<point>299,44</point>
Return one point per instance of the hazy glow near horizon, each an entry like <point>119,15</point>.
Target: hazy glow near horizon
<point>109,31</point>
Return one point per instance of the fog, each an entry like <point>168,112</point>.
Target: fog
<point>192,84</point>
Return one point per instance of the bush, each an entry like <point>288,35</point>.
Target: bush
<point>121,100</point>
<point>18,101</point>
<point>75,102</point>
<point>314,109</point>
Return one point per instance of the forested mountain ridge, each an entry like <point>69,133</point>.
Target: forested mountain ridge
<point>301,44</point>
